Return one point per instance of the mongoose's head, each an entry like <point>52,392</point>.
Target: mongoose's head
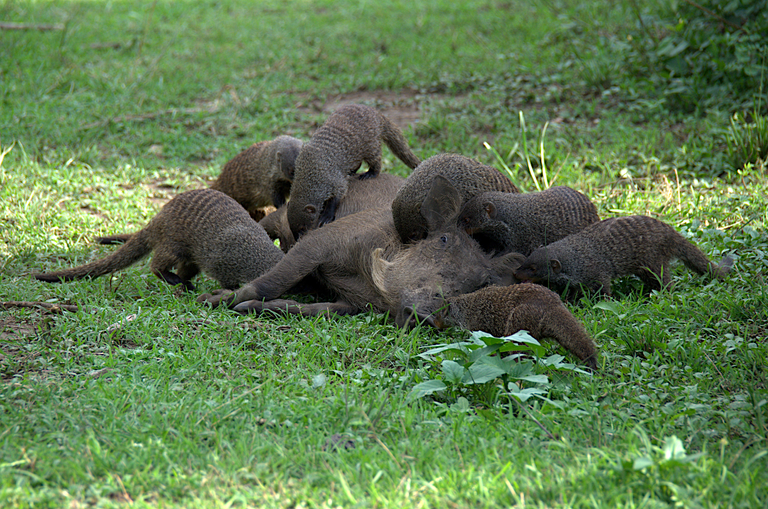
<point>539,267</point>
<point>316,191</point>
<point>475,213</point>
<point>287,149</point>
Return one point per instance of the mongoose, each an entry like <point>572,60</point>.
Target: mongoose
<point>615,247</point>
<point>362,195</point>
<point>504,310</point>
<point>468,176</point>
<point>361,260</point>
<point>350,136</point>
<point>260,175</point>
<point>521,222</point>
<point>197,230</point>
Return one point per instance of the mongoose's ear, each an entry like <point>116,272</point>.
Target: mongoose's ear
<point>310,209</point>
<point>285,165</point>
<point>490,209</point>
<point>555,266</point>
<point>442,204</point>
<point>378,268</point>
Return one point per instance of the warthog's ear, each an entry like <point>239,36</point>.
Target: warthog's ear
<point>442,204</point>
<point>505,267</point>
<point>379,267</point>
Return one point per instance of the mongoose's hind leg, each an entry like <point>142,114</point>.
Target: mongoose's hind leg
<point>173,279</point>
<point>655,277</point>
<point>162,263</point>
<point>374,167</point>
<point>187,271</point>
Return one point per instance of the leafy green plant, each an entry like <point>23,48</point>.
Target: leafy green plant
<point>701,55</point>
<point>472,365</point>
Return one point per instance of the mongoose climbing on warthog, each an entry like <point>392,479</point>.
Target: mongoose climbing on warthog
<point>363,194</point>
<point>197,230</point>
<point>350,136</point>
<point>615,247</point>
<point>522,222</point>
<point>504,310</point>
<point>468,176</point>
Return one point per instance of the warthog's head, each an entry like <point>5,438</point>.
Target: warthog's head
<point>416,280</point>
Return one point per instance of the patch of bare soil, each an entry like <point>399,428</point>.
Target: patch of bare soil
<point>401,107</point>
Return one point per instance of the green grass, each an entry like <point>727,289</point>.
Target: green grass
<point>145,398</point>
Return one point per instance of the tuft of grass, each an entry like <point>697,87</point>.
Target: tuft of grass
<point>748,140</point>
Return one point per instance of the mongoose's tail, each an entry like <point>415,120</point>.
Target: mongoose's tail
<point>697,261</point>
<point>136,248</point>
<point>393,137</point>
<point>544,316</point>
<point>120,238</point>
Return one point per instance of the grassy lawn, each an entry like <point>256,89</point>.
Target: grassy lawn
<point>143,397</point>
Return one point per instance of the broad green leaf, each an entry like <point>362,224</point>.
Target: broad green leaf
<point>642,463</point>
<point>611,306</point>
<point>524,394</point>
<point>480,373</point>
<point>482,338</point>
<point>536,379</point>
<point>552,360</point>
<point>495,361</point>
<point>522,336</point>
<point>426,388</point>
<point>461,405</point>
<point>673,449</point>
<point>520,369</point>
<point>453,371</point>
<point>483,352</point>
<point>461,348</point>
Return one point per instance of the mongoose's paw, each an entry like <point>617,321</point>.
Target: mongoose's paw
<point>217,298</point>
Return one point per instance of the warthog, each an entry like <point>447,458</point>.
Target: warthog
<point>361,259</point>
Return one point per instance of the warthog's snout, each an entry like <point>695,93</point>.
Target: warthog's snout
<point>411,318</point>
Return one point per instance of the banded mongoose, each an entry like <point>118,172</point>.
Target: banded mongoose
<point>350,136</point>
<point>521,222</point>
<point>362,195</point>
<point>197,230</point>
<point>260,175</point>
<point>504,310</point>
<point>468,176</point>
<point>615,247</point>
